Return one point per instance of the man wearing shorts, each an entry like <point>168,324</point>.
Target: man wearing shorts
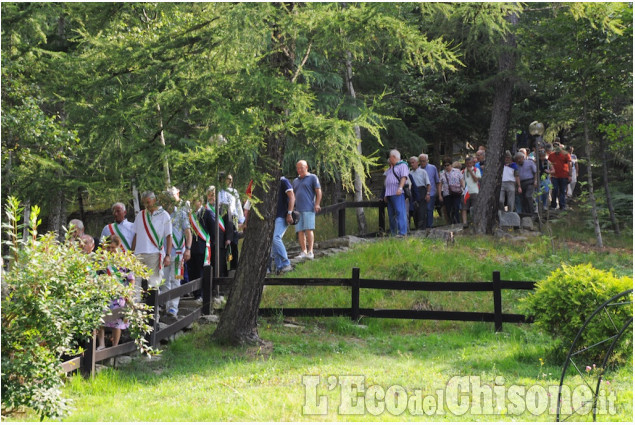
<point>308,195</point>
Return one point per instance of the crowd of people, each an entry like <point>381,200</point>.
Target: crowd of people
<point>414,189</point>
<point>175,238</point>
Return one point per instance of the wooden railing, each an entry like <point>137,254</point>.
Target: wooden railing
<point>86,362</point>
<point>355,311</point>
<point>341,207</point>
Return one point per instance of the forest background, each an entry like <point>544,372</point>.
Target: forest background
<point>99,100</point>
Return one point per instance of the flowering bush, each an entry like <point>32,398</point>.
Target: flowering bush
<point>53,298</point>
<point>562,302</point>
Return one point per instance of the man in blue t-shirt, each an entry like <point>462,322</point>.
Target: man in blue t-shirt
<point>308,195</point>
<point>284,217</point>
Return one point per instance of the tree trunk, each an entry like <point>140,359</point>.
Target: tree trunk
<point>26,219</point>
<point>486,211</point>
<point>166,166</point>
<point>587,153</point>
<point>135,198</point>
<point>237,324</point>
<point>57,219</point>
<point>358,183</point>
<point>605,180</point>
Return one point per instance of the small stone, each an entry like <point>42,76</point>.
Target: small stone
<point>291,325</point>
<point>152,359</point>
<point>508,219</point>
<point>211,318</point>
<point>527,223</point>
<point>100,368</point>
<point>123,360</point>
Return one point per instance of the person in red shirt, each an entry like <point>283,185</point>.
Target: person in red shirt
<point>561,176</point>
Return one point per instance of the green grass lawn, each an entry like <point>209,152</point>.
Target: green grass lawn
<point>419,363</point>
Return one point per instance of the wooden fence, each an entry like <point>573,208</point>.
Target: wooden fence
<point>86,362</point>
<point>355,312</point>
<point>341,207</point>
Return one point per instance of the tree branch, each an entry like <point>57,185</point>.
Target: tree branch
<point>306,56</point>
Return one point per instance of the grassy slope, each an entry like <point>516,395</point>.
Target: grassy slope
<point>195,380</point>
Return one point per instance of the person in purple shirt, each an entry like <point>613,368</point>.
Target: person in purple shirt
<point>435,187</point>
<point>396,177</point>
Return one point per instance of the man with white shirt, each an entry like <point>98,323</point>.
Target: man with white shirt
<point>422,181</point>
<point>120,227</point>
<point>153,238</point>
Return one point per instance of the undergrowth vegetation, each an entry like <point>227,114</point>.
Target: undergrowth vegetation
<point>197,380</point>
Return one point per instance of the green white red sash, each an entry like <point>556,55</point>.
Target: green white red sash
<point>112,271</point>
<point>201,233</point>
<point>152,234</point>
<point>179,247</point>
<point>114,229</point>
<point>221,223</point>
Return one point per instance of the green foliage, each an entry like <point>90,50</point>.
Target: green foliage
<point>563,301</point>
<point>53,298</point>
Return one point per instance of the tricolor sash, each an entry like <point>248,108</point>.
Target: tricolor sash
<point>221,223</point>
<point>152,234</point>
<point>179,247</point>
<point>113,271</point>
<point>114,229</point>
<point>201,233</point>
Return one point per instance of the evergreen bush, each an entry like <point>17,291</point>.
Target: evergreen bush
<point>563,301</point>
<point>52,299</point>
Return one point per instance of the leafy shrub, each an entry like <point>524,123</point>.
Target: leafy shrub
<point>563,301</point>
<point>52,298</point>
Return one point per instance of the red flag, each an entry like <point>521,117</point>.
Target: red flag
<point>248,191</point>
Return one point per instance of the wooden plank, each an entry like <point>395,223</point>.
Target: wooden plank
<point>525,285</point>
<point>72,364</point>
<point>119,350</point>
<point>426,286</point>
<point>428,315</point>
<point>355,295</point>
<point>331,208</point>
<point>177,326</point>
<point>177,292</point>
<point>305,312</point>
<point>498,305</point>
<point>276,281</point>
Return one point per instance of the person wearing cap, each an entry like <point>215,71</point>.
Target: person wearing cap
<point>561,176</point>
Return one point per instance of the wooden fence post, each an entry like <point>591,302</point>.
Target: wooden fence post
<point>152,299</point>
<point>206,289</point>
<point>498,308</point>
<point>382,219</point>
<point>341,222</point>
<point>355,295</point>
<point>87,363</point>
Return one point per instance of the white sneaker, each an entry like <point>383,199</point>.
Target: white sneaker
<point>302,255</point>
<point>310,255</point>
